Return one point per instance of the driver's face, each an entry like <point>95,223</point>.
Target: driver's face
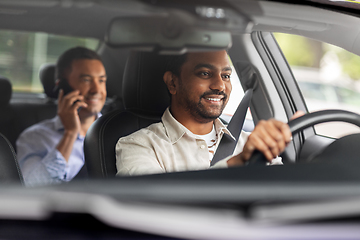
<point>203,87</point>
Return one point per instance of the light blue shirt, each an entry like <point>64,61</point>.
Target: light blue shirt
<point>40,162</point>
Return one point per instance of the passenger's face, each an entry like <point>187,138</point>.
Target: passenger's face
<point>89,77</point>
<point>204,85</point>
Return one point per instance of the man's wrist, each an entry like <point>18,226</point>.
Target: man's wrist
<point>236,161</point>
<point>71,133</point>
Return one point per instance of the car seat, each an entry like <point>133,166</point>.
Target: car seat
<point>9,171</point>
<point>8,121</point>
<point>114,60</point>
<point>145,97</point>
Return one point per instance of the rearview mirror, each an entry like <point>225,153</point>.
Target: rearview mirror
<point>177,32</point>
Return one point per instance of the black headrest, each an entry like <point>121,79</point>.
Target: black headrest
<point>114,60</point>
<point>144,91</point>
<point>5,91</point>
<point>47,78</point>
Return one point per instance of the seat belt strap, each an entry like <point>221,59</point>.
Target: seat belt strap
<point>227,144</point>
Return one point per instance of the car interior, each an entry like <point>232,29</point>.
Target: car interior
<point>133,64</point>
<point>135,40</point>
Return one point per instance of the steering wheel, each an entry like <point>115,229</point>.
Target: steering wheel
<point>308,120</point>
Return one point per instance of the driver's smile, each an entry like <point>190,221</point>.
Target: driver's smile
<point>214,99</point>
<point>213,103</point>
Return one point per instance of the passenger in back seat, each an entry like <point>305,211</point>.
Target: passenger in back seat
<point>52,150</point>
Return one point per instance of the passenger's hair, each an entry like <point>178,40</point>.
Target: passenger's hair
<point>63,65</point>
<point>175,62</point>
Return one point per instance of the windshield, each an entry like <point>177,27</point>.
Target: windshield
<point>137,139</point>
<point>350,4</point>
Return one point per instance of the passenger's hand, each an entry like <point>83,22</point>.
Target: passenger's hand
<point>68,106</point>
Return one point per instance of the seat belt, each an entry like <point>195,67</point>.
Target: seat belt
<point>227,144</point>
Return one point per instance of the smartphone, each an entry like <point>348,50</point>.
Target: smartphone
<point>65,86</point>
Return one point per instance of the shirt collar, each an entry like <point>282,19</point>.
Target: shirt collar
<point>221,128</point>
<point>176,130</point>
<point>59,126</point>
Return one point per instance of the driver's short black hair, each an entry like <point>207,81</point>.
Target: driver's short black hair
<point>63,65</point>
<point>175,62</point>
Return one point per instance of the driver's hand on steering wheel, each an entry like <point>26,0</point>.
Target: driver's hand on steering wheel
<point>270,137</point>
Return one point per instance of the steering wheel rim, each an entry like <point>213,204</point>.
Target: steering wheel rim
<point>308,120</point>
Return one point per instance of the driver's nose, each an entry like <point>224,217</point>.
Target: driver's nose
<point>218,83</point>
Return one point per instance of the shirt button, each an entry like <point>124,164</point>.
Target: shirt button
<point>202,146</point>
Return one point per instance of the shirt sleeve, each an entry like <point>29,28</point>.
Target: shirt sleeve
<point>39,160</point>
<point>134,157</point>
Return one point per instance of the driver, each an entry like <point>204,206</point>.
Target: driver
<point>190,130</point>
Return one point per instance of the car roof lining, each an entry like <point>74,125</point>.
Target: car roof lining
<point>72,18</point>
<point>317,23</point>
<point>324,25</point>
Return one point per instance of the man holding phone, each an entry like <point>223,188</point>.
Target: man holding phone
<point>52,150</point>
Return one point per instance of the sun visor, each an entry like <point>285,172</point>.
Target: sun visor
<point>176,31</point>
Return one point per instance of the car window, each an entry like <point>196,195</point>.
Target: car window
<point>236,96</point>
<point>328,78</point>
<point>316,91</point>
<point>22,54</point>
<point>234,99</point>
<point>348,96</point>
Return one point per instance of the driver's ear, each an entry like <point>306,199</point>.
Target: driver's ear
<point>169,79</point>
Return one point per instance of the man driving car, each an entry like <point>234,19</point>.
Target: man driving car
<point>52,150</point>
<point>190,130</point>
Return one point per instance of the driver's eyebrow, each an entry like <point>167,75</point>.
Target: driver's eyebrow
<point>225,69</point>
<point>204,65</point>
<point>210,66</point>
